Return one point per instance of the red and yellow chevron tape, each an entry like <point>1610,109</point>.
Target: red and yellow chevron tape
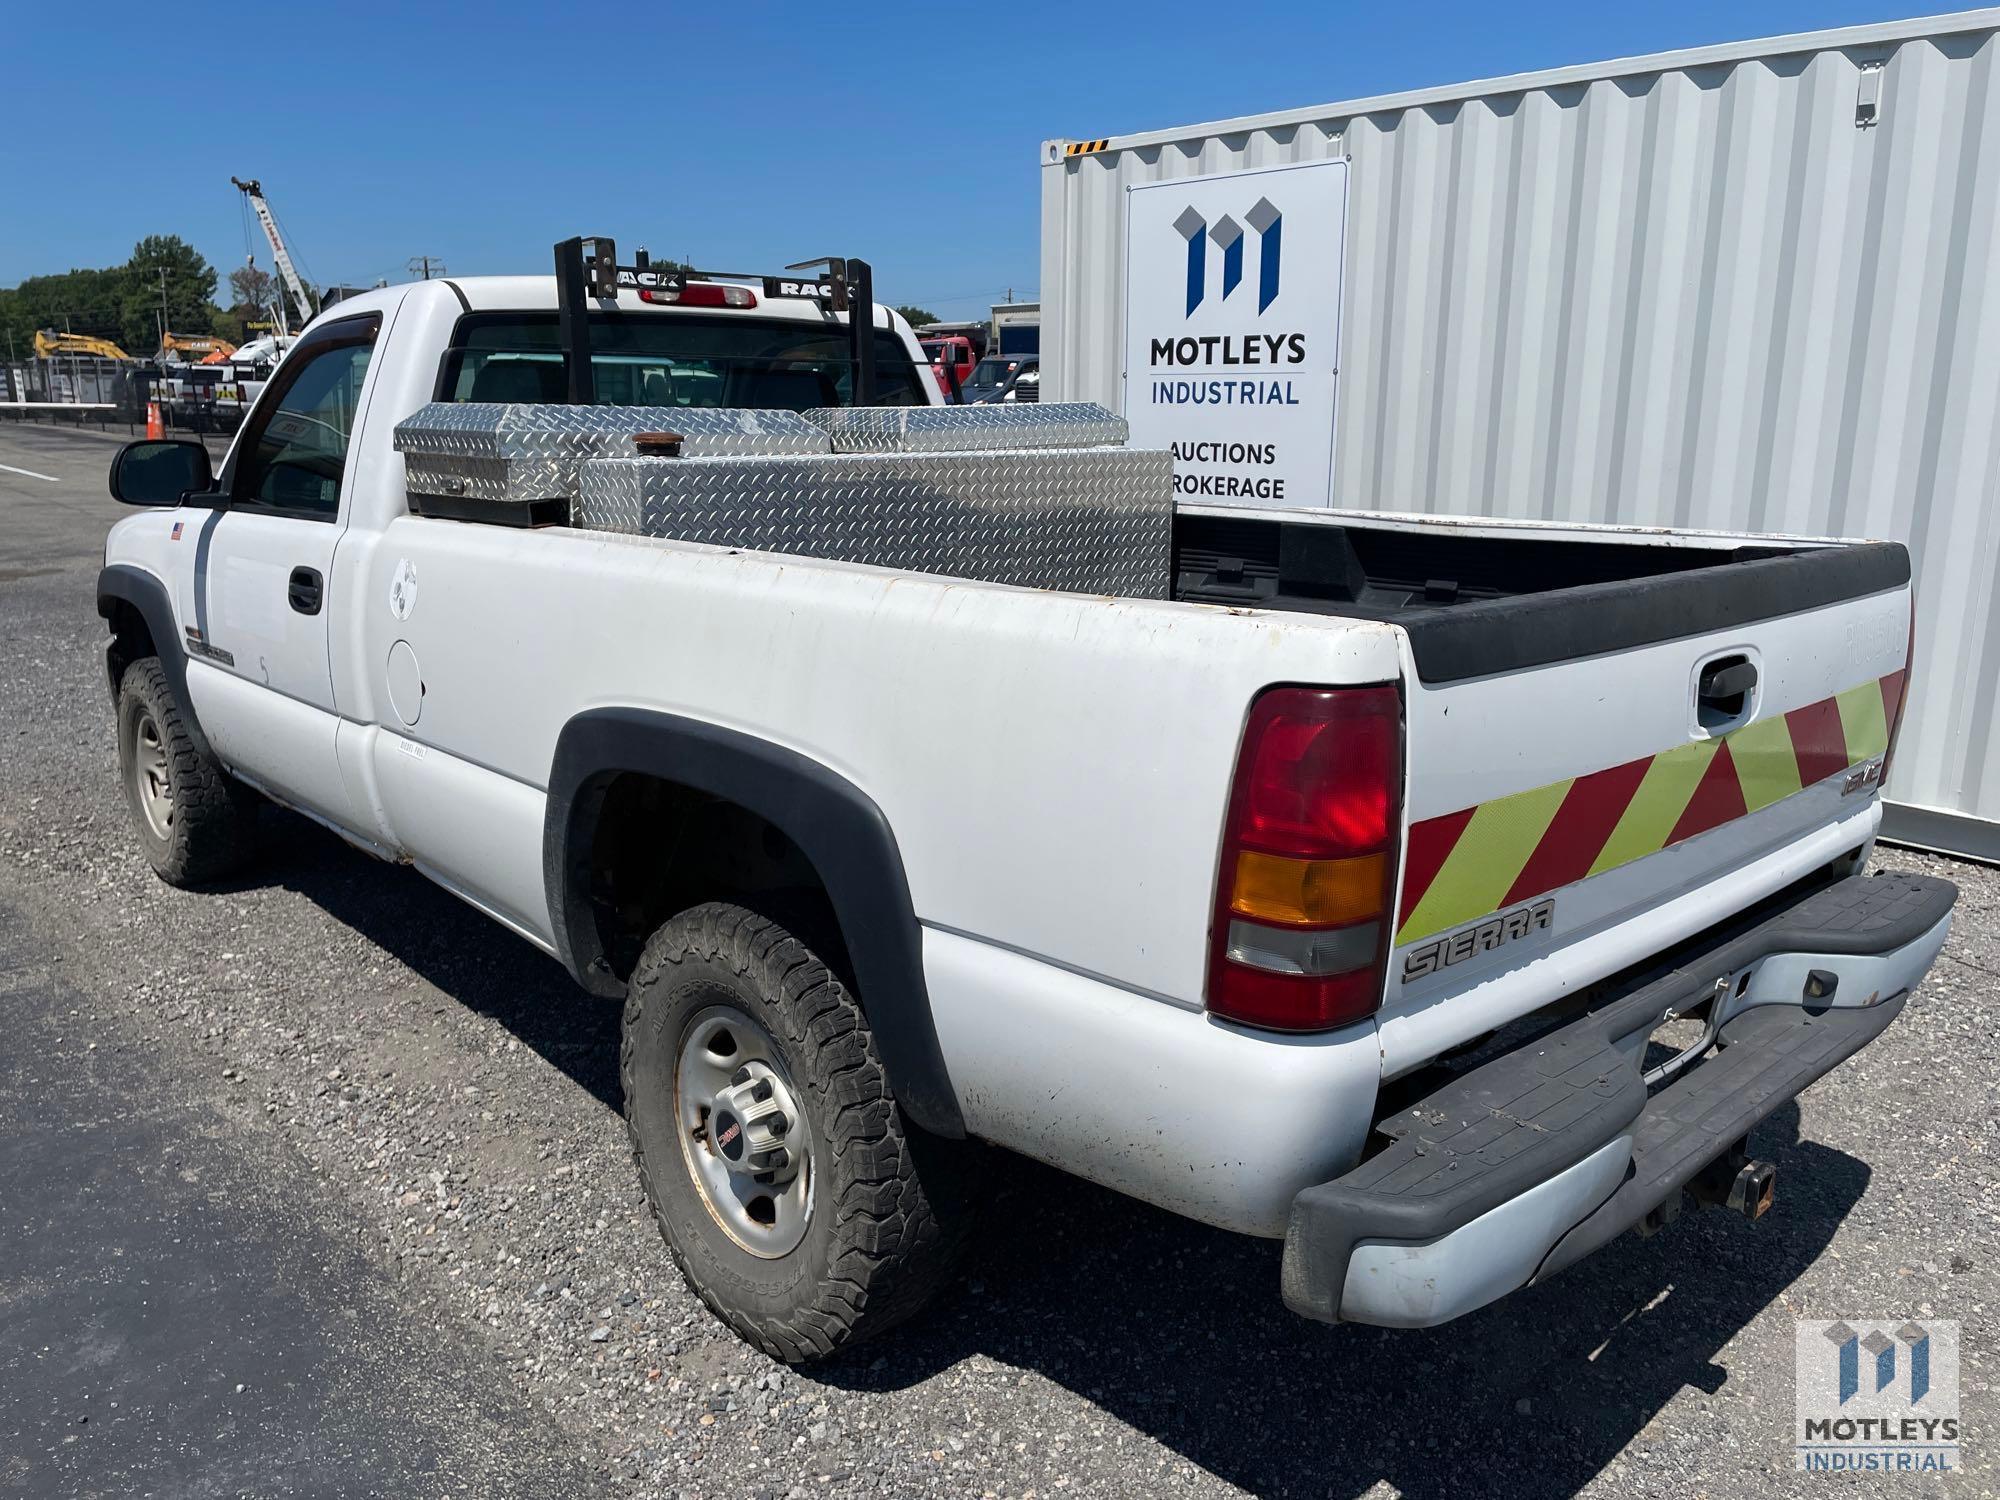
<point>1467,864</point>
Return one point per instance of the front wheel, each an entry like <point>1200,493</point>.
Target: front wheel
<point>800,1205</point>
<point>195,821</point>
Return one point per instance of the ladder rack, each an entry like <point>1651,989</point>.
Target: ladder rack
<point>587,268</point>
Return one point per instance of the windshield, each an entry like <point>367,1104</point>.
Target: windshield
<point>993,371</point>
<point>674,361</point>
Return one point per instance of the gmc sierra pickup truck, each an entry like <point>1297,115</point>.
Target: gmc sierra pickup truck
<point>1443,899</point>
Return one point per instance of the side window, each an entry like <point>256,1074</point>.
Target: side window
<point>293,460</point>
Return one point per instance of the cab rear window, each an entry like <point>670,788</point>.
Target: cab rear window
<point>674,360</point>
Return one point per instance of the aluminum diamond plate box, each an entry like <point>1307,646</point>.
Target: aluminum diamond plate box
<point>931,429</point>
<point>1083,520</point>
<point>517,454</point>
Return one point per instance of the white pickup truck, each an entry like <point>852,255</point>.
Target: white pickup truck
<point>1442,898</point>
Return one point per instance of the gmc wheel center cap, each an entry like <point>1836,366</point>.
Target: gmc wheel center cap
<point>727,1133</point>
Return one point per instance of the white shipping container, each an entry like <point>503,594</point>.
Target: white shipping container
<point>1752,287</point>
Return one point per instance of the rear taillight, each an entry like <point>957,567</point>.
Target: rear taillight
<point>1901,689</point>
<point>1308,871</point>
<point>701,294</point>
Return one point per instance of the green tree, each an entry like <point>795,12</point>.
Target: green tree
<point>165,270</point>
<point>227,324</point>
<point>918,316</point>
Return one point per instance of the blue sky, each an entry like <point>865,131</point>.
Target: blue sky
<point>739,137</point>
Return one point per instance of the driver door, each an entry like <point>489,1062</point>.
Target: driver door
<point>258,664</point>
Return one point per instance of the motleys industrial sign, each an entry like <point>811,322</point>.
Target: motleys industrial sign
<point>1232,329</point>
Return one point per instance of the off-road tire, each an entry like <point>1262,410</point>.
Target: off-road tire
<point>891,1203</point>
<point>213,832</point>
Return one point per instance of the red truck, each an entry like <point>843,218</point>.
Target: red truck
<point>951,353</point>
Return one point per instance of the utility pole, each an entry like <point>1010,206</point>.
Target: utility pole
<point>426,266</point>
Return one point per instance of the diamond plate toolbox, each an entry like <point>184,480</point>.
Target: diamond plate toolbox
<point>931,429</point>
<point>517,454</point>
<point>1083,520</point>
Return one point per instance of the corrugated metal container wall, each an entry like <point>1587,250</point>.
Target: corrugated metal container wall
<point>1691,290</point>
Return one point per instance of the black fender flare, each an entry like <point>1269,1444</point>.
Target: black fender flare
<point>835,824</point>
<point>122,583</point>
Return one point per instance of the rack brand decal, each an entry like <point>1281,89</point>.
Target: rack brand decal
<point>775,286</point>
<point>1232,329</point>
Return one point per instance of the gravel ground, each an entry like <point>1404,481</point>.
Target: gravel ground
<point>454,1101</point>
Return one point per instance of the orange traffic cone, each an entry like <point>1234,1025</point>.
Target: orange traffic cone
<point>155,428</point>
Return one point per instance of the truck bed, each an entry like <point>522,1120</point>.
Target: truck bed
<point>1482,597</point>
<point>1051,497</point>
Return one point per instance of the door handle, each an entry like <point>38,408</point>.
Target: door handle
<point>1728,679</point>
<point>1724,693</point>
<point>305,590</point>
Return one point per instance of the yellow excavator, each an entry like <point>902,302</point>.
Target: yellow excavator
<point>199,348</point>
<point>48,343</point>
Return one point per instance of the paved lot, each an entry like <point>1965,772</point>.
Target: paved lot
<point>188,1310</point>
<point>330,1136</point>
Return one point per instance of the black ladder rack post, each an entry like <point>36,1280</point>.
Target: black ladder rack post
<point>573,312</point>
<point>850,289</point>
<point>861,329</point>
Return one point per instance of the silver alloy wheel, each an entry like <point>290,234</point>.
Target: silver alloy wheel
<point>151,778</point>
<point>746,1145</point>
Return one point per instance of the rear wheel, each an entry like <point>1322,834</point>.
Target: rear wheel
<point>798,1202</point>
<point>195,822</point>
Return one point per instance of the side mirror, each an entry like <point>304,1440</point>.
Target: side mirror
<point>951,382</point>
<point>155,472</point>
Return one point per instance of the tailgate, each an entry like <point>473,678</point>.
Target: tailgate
<point>1570,817</point>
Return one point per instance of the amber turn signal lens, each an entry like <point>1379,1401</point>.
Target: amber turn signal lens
<point>1308,892</point>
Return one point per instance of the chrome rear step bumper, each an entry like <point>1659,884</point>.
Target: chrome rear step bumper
<point>1528,1163</point>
